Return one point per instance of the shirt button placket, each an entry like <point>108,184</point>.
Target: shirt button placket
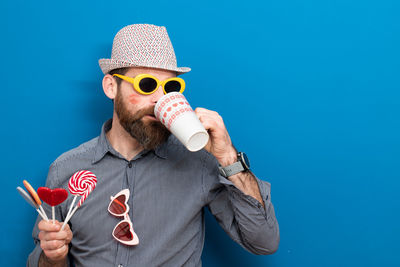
<point>125,250</point>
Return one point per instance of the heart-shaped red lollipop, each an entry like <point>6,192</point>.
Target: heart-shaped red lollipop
<point>53,197</point>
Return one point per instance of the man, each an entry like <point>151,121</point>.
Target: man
<point>169,186</point>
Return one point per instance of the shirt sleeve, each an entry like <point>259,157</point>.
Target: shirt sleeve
<point>33,259</point>
<point>241,216</point>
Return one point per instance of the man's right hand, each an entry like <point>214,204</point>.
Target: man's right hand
<point>54,242</point>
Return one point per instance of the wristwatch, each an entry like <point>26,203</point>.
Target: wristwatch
<point>242,164</point>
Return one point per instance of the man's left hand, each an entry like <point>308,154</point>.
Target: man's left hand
<point>219,144</point>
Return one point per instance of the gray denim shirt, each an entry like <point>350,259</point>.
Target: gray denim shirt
<point>169,187</point>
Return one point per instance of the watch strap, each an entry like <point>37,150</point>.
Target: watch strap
<point>231,169</point>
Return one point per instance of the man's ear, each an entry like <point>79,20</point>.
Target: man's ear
<point>110,86</point>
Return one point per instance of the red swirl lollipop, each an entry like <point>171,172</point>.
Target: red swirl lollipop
<point>81,184</point>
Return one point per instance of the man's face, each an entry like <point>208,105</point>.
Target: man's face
<point>136,111</point>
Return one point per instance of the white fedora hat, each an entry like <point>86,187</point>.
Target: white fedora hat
<point>142,45</point>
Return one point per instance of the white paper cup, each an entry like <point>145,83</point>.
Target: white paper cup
<point>178,117</point>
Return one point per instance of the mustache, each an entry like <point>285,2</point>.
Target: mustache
<point>145,111</point>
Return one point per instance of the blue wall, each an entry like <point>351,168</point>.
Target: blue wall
<point>309,89</point>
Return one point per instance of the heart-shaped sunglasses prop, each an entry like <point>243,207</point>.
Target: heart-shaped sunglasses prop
<point>81,184</point>
<point>53,197</point>
<point>33,199</point>
<point>123,231</point>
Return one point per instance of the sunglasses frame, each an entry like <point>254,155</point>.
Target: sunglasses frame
<point>135,239</point>
<point>136,81</point>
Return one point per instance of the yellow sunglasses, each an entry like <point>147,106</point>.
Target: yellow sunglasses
<point>147,84</point>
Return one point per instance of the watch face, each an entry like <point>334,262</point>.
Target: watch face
<point>245,160</point>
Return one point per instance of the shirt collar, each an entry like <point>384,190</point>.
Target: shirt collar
<point>104,146</point>
<point>162,150</point>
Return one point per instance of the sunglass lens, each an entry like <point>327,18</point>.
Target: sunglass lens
<point>148,85</point>
<point>172,86</point>
<point>123,232</point>
<point>118,205</point>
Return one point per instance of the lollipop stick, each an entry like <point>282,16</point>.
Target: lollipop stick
<point>68,218</point>
<point>72,213</point>
<point>41,215</point>
<point>52,210</point>
<point>44,213</point>
<point>72,205</point>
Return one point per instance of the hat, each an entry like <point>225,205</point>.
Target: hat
<point>142,45</point>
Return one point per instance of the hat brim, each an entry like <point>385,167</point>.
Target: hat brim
<point>108,65</point>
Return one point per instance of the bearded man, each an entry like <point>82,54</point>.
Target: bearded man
<point>148,205</point>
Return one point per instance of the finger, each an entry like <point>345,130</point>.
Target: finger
<point>208,123</point>
<point>47,236</point>
<point>65,234</point>
<point>57,254</point>
<point>51,244</point>
<point>206,112</point>
<point>212,122</point>
<point>200,110</point>
<point>209,115</point>
<point>68,232</point>
<point>48,226</point>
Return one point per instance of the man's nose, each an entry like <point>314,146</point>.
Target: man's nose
<point>157,94</point>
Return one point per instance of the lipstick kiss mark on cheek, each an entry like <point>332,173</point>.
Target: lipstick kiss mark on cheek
<point>134,99</point>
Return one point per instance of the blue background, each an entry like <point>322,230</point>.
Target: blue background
<point>309,89</point>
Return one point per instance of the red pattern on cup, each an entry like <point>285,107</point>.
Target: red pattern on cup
<point>176,115</point>
<point>166,110</point>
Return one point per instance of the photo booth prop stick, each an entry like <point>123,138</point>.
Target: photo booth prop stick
<point>81,184</point>
<point>35,197</point>
<point>30,200</point>
<point>53,197</point>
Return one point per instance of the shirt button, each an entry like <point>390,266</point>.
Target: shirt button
<point>130,166</point>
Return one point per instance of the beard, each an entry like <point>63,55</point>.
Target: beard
<point>149,134</point>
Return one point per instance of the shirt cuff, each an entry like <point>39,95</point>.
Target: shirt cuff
<point>237,195</point>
